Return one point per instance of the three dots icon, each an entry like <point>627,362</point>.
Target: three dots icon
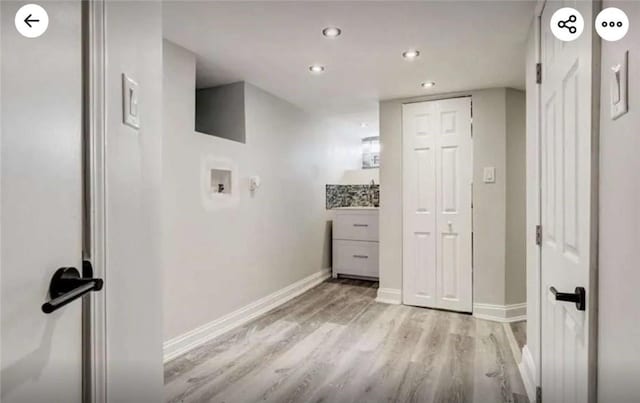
<point>611,24</point>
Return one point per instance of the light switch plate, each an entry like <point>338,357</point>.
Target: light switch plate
<point>489,175</point>
<point>130,95</point>
<point>618,87</point>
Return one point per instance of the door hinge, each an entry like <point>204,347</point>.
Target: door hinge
<point>538,234</point>
<point>538,73</point>
<point>538,394</point>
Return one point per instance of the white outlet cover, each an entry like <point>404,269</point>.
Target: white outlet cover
<point>130,101</point>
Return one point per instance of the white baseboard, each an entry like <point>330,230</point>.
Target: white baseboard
<point>500,313</point>
<point>527,369</point>
<point>389,296</point>
<point>196,337</point>
<point>513,343</point>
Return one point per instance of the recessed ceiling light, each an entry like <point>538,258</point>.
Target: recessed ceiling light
<point>410,54</point>
<point>428,84</point>
<point>364,124</point>
<point>331,32</point>
<point>316,68</point>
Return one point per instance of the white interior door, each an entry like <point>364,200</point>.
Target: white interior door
<point>437,178</point>
<point>567,169</point>
<point>41,210</point>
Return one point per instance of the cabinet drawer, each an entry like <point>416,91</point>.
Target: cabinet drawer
<point>355,258</point>
<point>357,227</point>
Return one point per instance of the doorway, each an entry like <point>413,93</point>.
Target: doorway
<point>437,196</point>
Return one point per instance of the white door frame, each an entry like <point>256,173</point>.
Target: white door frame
<point>95,308</point>
<point>0,197</point>
<point>538,194</point>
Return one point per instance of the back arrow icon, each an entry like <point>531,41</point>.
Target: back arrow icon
<point>28,20</point>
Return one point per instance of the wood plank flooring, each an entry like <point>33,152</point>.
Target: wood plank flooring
<point>336,344</point>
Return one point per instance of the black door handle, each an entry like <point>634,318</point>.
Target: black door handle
<point>579,297</point>
<point>67,285</point>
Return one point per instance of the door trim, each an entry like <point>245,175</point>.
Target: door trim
<point>538,118</point>
<point>0,190</point>
<point>530,365</point>
<point>95,307</point>
<point>538,212</point>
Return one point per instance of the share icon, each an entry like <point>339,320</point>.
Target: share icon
<point>564,24</point>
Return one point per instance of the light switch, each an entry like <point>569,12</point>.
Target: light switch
<point>133,102</point>
<point>618,87</point>
<point>130,102</point>
<point>489,175</point>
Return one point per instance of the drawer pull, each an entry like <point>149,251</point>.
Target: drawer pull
<point>361,256</point>
<point>360,225</point>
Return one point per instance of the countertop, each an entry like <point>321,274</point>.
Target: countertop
<point>356,208</point>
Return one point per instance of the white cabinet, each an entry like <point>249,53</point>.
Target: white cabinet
<point>356,258</point>
<point>356,225</point>
<point>355,242</point>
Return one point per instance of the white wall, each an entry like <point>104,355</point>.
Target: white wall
<point>490,200</point>
<point>360,176</point>
<point>515,263</point>
<point>133,283</point>
<point>216,261</point>
<point>619,238</point>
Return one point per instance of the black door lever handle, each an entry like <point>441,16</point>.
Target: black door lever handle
<point>67,285</point>
<point>579,297</point>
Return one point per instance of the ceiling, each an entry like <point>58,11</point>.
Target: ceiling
<point>463,44</point>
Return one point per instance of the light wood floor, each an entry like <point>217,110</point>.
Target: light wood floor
<point>336,344</point>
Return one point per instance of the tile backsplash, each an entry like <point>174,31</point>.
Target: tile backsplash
<point>352,196</point>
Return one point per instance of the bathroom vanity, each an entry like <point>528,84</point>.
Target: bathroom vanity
<point>355,242</point>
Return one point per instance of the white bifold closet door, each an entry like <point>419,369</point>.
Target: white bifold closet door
<point>437,180</point>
